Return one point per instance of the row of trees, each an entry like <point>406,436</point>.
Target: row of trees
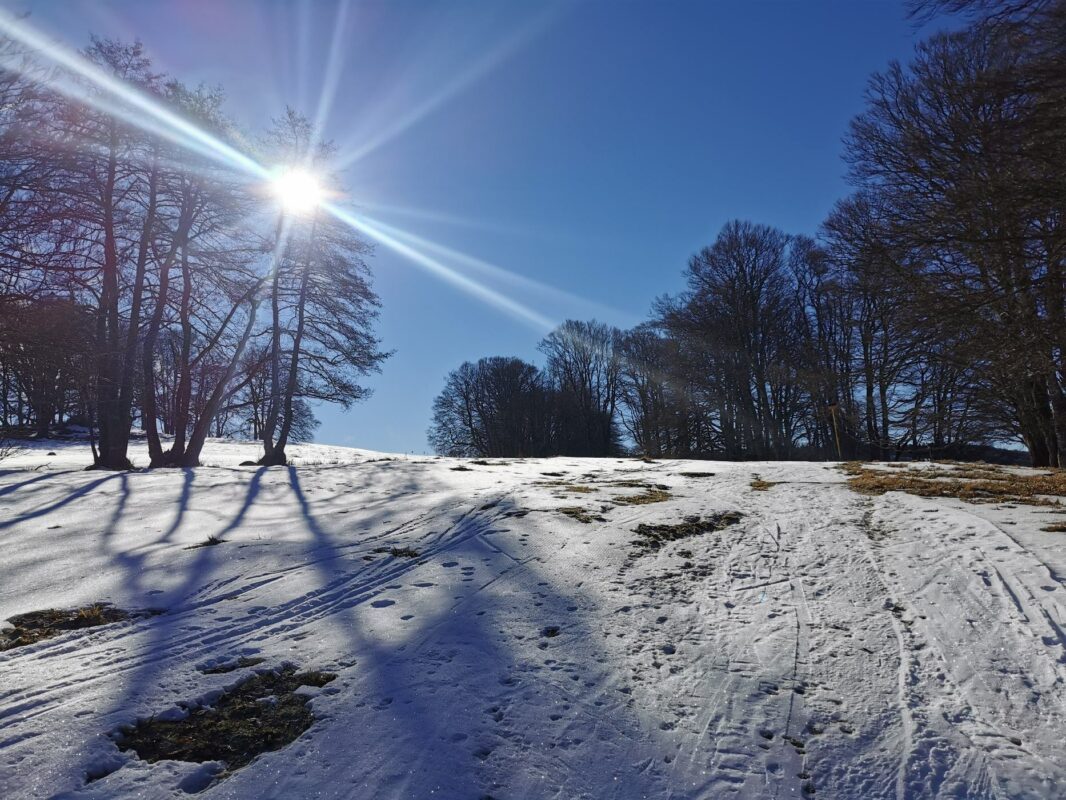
<point>144,281</point>
<point>507,407</point>
<point>928,315</point>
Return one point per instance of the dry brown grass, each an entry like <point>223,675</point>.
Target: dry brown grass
<point>261,714</point>
<point>38,625</point>
<point>759,485</point>
<point>582,515</point>
<point>971,483</point>
<point>1055,527</point>
<point>563,486</point>
<point>653,495</point>
<point>653,537</point>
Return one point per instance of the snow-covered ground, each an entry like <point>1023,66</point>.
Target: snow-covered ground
<point>828,643</point>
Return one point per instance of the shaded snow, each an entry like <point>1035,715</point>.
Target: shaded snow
<point>893,647</point>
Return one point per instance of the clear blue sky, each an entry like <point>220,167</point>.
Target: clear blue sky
<point>584,148</point>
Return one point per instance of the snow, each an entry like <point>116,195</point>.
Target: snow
<point>892,647</point>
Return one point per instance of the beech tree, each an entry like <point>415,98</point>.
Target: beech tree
<point>945,146</point>
<point>496,407</point>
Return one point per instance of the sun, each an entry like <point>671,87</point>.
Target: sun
<point>298,190</point>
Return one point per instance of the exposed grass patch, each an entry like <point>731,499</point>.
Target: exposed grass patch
<point>653,537</point>
<point>759,485</point>
<point>563,486</point>
<point>240,663</point>
<point>398,552</point>
<point>1055,527</point>
<point>634,484</point>
<point>261,714</point>
<point>984,484</point>
<point>646,497</point>
<point>460,468</point>
<point>35,626</point>
<point>696,474</point>
<point>582,515</point>
<point>577,488</point>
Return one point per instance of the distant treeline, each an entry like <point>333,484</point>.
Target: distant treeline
<point>142,283</point>
<point>927,317</point>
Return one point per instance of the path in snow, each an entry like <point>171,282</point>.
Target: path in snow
<point>828,644</point>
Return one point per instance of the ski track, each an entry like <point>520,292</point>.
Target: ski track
<point>828,645</point>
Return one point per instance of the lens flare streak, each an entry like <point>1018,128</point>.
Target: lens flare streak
<point>136,108</point>
<point>174,126</point>
<point>490,296</point>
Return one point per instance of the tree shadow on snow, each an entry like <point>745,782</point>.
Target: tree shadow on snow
<point>435,702</point>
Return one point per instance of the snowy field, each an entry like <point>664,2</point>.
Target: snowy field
<point>828,644</point>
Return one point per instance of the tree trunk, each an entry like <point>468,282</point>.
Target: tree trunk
<point>191,457</point>
<point>270,424</point>
<point>114,430</point>
<point>294,360</point>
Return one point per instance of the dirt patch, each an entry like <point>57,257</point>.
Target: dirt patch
<point>696,474</point>
<point>973,484</point>
<point>653,537</point>
<point>36,626</point>
<point>460,468</point>
<point>582,515</point>
<point>261,714</point>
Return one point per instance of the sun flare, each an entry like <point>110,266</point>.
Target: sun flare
<point>298,190</point>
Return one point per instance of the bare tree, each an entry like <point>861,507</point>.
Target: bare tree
<point>497,407</point>
<point>583,367</point>
<point>947,145</point>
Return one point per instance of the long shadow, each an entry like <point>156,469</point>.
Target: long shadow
<point>16,486</point>
<point>428,717</point>
<point>58,504</point>
<point>249,499</point>
<point>169,646</point>
<point>188,476</point>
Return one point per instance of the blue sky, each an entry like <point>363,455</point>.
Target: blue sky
<point>576,152</point>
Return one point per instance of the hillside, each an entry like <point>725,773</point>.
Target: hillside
<point>508,629</point>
